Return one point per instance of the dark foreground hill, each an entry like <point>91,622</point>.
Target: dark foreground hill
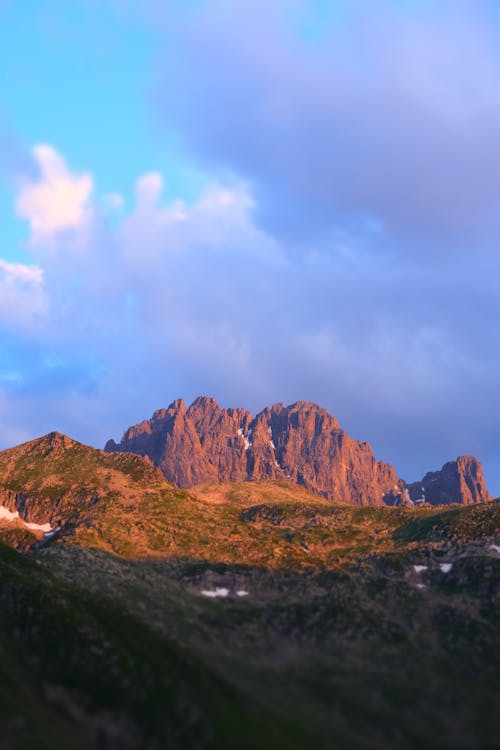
<point>237,616</point>
<point>391,651</point>
<point>301,443</point>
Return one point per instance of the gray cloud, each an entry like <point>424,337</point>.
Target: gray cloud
<point>390,112</point>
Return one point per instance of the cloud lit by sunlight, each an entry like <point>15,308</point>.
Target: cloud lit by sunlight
<point>55,202</point>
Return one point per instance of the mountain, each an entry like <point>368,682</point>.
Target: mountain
<point>56,491</point>
<point>56,488</point>
<point>461,481</point>
<point>301,443</point>
<point>246,614</point>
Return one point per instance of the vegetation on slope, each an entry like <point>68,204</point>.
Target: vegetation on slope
<point>78,671</point>
<point>368,655</point>
<point>335,625</point>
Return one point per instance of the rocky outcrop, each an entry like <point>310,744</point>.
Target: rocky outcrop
<point>461,481</point>
<point>46,482</point>
<point>301,443</point>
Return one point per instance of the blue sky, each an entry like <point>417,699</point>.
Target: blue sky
<point>260,202</point>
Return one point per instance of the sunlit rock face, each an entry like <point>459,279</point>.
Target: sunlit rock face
<point>461,481</point>
<point>301,443</point>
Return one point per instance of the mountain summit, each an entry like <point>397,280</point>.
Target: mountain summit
<point>301,443</point>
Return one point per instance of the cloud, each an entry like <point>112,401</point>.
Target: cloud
<point>178,298</point>
<point>343,114</point>
<point>22,296</point>
<point>57,201</point>
<point>148,189</point>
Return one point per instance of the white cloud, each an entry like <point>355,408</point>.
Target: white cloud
<point>22,295</point>
<point>57,200</point>
<point>148,189</point>
<point>180,298</point>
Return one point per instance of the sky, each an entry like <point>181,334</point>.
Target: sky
<point>260,202</point>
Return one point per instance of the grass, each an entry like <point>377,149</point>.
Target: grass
<point>107,642</point>
<point>96,675</point>
<point>358,653</point>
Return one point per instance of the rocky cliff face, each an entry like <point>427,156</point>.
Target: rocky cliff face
<point>302,443</point>
<point>48,481</point>
<point>459,481</point>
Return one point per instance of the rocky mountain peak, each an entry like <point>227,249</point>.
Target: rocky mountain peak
<point>51,445</point>
<point>300,443</point>
<point>178,405</point>
<point>206,403</point>
<point>461,481</point>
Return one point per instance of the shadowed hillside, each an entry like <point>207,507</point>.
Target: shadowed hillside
<point>238,615</point>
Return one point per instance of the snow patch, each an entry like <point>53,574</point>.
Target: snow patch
<point>495,547</point>
<point>242,592</point>
<point>272,445</point>
<point>45,527</point>
<point>9,516</point>
<point>246,438</point>
<point>421,499</point>
<point>48,534</point>
<point>446,567</point>
<point>419,568</point>
<point>214,593</point>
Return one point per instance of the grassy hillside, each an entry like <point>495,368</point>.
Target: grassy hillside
<point>79,671</point>
<point>249,615</point>
<point>106,652</point>
<point>274,525</point>
<point>121,504</point>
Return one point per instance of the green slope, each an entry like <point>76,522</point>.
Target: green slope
<point>361,628</point>
<point>356,657</point>
<point>79,671</point>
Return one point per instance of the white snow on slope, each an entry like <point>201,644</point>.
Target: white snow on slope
<point>446,567</point>
<point>495,547</point>
<point>214,593</point>
<point>45,527</point>
<point>9,516</point>
<point>419,568</point>
<point>246,438</point>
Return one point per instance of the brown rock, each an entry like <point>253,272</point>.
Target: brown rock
<point>53,479</point>
<point>302,443</point>
<point>459,481</point>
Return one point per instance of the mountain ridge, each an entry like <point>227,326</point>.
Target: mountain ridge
<point>302,443</point>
